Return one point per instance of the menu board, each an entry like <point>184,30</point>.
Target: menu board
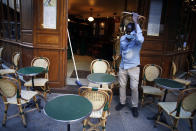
<point>49,14</point>
<point>154,18</point>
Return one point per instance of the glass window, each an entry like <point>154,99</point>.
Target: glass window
<point>154,25</point>
<point>10,19</point>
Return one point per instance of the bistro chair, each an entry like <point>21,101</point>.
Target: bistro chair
<point>11,93</point>
<point>101,101</point>
<point>150,73</point>
<point>100,66</point>
<point>14,67</point>
<point>184,108</point>
<point>40,81</point>
<point>183,81</point>
<point>192,71</point>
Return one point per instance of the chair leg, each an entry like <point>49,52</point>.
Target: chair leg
<point>45,92</point>
<point>22,115</point>
<point>45,95</point>
<point>175,124</point>
<point>158,116</point>
<point>191,124</point>
<point>47,88</point>
<point>104,125</point>
<point>142,100</point>
<point>84,125</point>
<point>5,115</point>
<point>36,104</point>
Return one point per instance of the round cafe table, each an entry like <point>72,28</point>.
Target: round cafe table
<point>168,84</point>
<point>31,71</point>
<point>68,108</point>
<point>101,78</point>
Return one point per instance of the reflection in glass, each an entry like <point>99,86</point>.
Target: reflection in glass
<point>11,4</point>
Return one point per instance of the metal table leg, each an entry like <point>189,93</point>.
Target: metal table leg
<point>68,127</point>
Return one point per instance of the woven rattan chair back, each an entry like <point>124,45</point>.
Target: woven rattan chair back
<point>97,98</point>
<point>41,62</point>
<point>8,88</point>
<point>151,72</point>
<point>188,103</point>
<point>100,66</point>
<point>15,58</point>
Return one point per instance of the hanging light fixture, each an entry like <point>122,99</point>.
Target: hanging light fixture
<point>90,18</point>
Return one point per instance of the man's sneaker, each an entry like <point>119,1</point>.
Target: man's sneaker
<point>119,106</point>
<point>135,111</point>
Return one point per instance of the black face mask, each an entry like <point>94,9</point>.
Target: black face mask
<point>130,28</point>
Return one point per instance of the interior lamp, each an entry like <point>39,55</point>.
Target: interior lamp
<point>90,18</point>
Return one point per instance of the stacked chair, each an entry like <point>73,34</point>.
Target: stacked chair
<point>193,62</point>
<point>101,100</point>
<point>192,71</point>
<point>100,66</point>
<point>1,51</point>
<point>11,93</point>
<point>14,67</point>
<point>40,81</point>
<point>184,108</point>
<point>150,73</point>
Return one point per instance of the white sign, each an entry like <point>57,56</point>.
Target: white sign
<point>49,10</point>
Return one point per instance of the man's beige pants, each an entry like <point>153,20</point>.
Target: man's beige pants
<point>134,81</point>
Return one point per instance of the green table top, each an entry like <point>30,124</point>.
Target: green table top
<point>101,78</point>
<point>68,108</point>
<point>169,83</point>
<point>31,71</point>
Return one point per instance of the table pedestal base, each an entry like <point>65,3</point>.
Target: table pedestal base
<point>68,127</point>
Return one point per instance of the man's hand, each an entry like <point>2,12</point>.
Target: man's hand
<point>135,17</point>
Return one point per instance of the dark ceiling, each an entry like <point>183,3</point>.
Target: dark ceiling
<point>100,8</point>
